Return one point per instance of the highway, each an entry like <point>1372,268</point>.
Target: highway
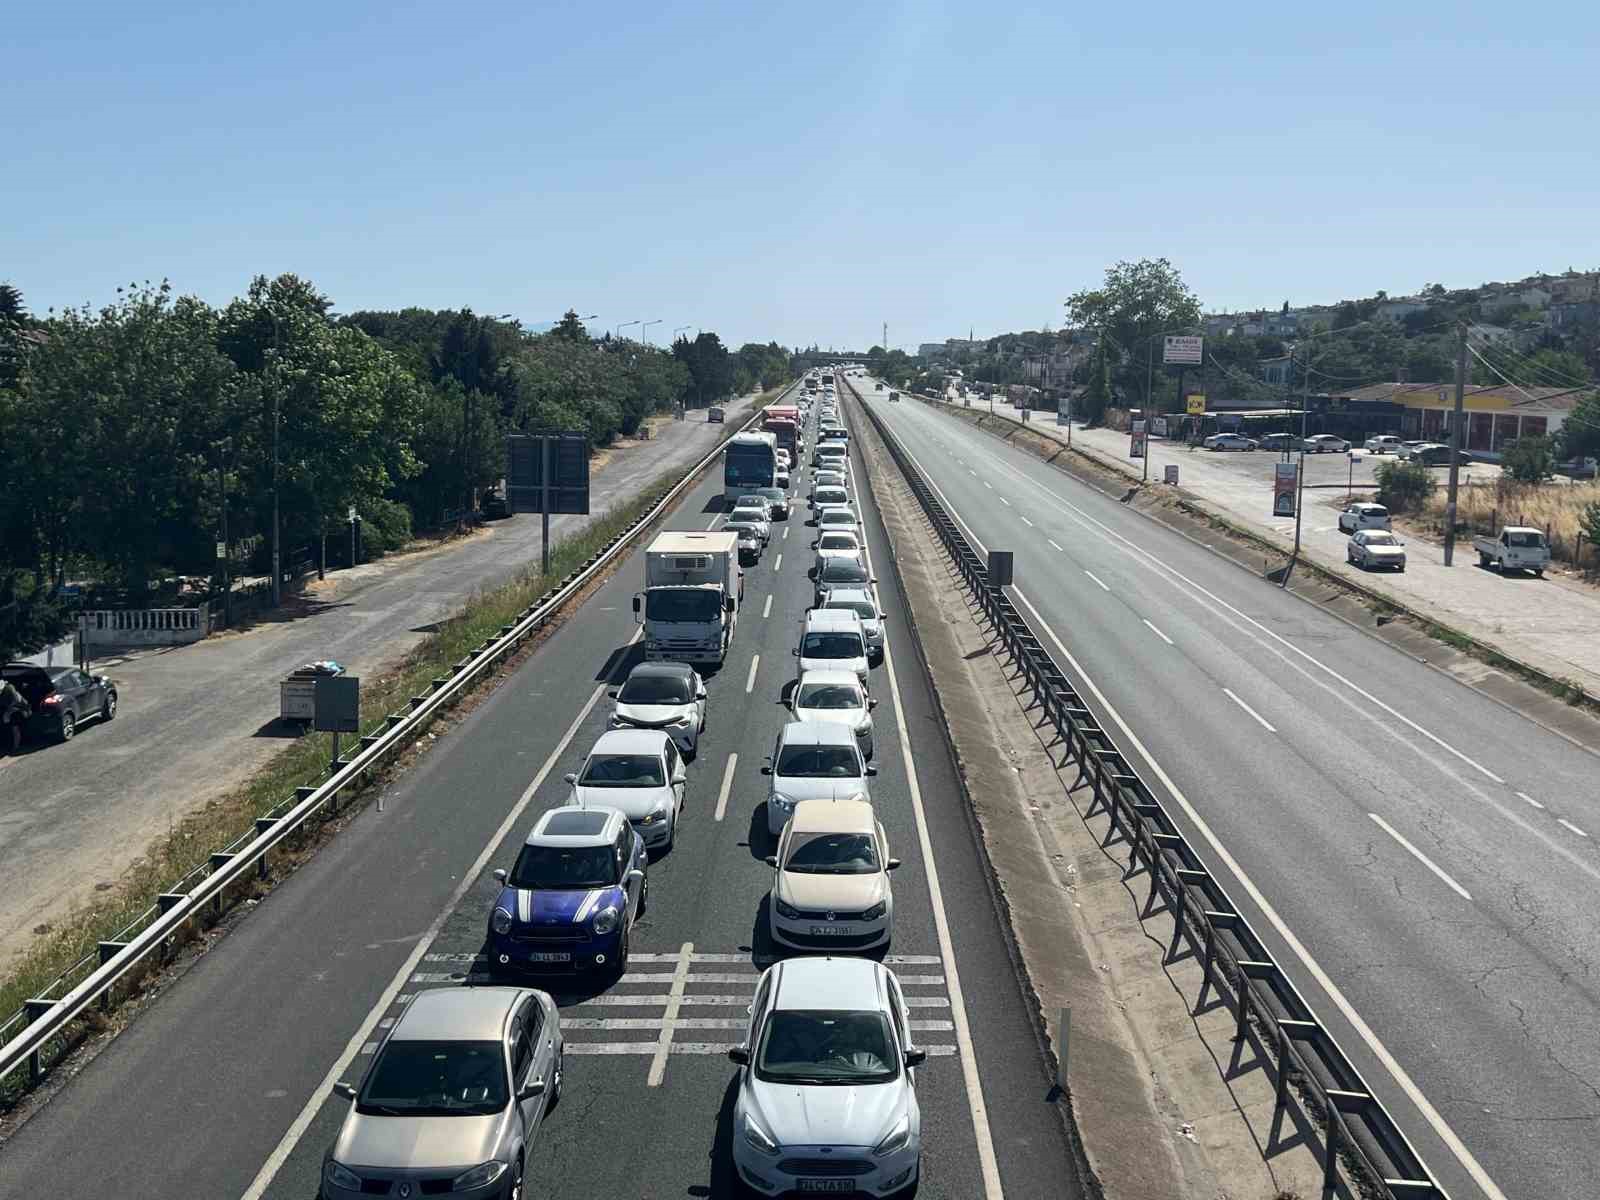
<point>222,1087</point>
<point>1422,860</point>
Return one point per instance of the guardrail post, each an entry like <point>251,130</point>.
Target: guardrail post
<point>108,951</point>
<point>35,1009</point>
<point>1330,1164</point>
<point>262,825</point>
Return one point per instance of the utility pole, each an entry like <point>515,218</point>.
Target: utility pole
<point>222,503</point>
<point>544,503</point>
<point>1300,475</point>
<point>277,567</point>
<point>1455,445</point>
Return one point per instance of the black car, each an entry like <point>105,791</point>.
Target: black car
<point>61,698</point>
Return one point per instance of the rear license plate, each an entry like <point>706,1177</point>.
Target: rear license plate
<point>825,1185</point>
<point>832,930</point>
<point>550,956</point>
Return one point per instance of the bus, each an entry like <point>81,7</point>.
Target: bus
<point>750,461</point>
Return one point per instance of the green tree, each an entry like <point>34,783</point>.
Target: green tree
<point>1580,433</point>
<point>1097,398</point>
<point>1591,524</point>
<point>1404,486</point>
<point>710,367</point>
<point>1530,459</point>
<point>1136,302</point>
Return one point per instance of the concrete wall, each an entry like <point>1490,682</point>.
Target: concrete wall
<point>144,627</point>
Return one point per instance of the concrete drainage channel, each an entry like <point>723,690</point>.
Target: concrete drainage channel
<point>1363,1151</point>
<point>45,1028</point>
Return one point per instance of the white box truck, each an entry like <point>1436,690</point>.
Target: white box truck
<point>690,603</point>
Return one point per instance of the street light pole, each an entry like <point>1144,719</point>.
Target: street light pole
<point>644,330</point>
<point>625,324</point>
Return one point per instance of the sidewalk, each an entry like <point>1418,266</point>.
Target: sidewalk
<point>1551,623</point>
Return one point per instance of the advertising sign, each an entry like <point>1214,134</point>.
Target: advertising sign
<point>1172,474</point>
<point>1286,475</point>
<point>1137,449</point>
<point>568,455</point>
<point>1185,351</point>
<point>1197,404</point>
<point>1158,427</point>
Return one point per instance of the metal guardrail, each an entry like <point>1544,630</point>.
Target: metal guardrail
<point>1364,1151</point>
<point>46,1020</point>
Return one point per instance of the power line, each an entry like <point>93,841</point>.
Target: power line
<point>1526,363</point>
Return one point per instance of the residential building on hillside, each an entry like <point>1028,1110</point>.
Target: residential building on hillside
<point>1399,310</point>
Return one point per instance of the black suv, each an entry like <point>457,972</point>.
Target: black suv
<point>61,697</point>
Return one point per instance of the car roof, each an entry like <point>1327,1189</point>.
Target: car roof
<point>850,570</point>
<point>833,816</point>
<point>594,825</point>
<point>630,741</point>
<point>843,984</point>
<point>816,733</point>
<point>662,670</point>
<point>1521,529</point>
<point>850,595</point>
<point>832,618</point>
<point>448,1014</point>
<point>842,678</point>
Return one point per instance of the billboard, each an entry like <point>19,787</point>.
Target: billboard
<point>569,472</point>
<point>1284,480</point>
<point>1136,450</point>
<point>1196,404</point>
<point>1184,351</point>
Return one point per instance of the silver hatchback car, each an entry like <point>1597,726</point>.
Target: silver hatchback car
<point>453,1098</point>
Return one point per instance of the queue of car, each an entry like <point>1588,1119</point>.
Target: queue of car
<point>461,1082</point>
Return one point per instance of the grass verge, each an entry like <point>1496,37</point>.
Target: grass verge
<point>71,942</point>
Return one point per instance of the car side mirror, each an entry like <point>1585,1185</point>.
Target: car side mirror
<point>767,770</point>
<point>500,875</point>
<point>872,703</point>
<point>633,876</point>
<point>772,860</point>
<point>892,865</point>
<point>916,1057</point>
<point>795,653</point>
<point>874,579</point>
<point>529,1090</point>
<point>612,692</point>
<point>636,604</point>
<point>700,695</point>
<point>872,770</point>
<point>727,603</point>
<point>570,777</point>
<point>739,1054</point>
<point>345,1091</point>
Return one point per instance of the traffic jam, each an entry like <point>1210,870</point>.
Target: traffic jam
<point>826,1063</point>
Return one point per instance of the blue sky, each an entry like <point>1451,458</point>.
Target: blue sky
<point>799,172</point>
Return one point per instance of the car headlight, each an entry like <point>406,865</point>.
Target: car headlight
<point>655,816</point>
<point>876,911</point>
<point>785,910</point>
<point>758,1137</point>
<point>683,720</point>
<point>605,921</point>
<point>479,1176</point>
<point>897,1138</point>
<point>341,1176</point>
<point>779,800</point>
<point>500,921</point>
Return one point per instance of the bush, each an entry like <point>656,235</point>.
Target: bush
<point>1590,523</point>
<point>385,526</point>
<point>1404,486</point>
<point>1530,459</point>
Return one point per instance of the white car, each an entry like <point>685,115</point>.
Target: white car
<point>860,602</point>
<point>784,462</point>
<point>828,479</point>
<point>831,493</point>
<point>1363,516</point>
<point>1325,443</point>
<point>640,773</point>
<point>755,510</point>
<point>813,760</point>
<point>827,1090</point>
<point>835,696</point>
<point>831,517</point>
<point>836,543</point>
<point>1383,443</point>
<point>663,695</point>
<point>780,478</point>
<point>1229,441</point>
<point>1404,449</point>
<point>832,638</point>
<point>1372,548</point>
<point>751,543</point>
<point>830,887</point>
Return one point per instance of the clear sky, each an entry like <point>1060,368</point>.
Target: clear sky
<point>798,172</point>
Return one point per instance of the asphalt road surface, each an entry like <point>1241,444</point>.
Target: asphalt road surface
<point>221,1089</point>
<point>193,720</point>
<point>1429,858</point>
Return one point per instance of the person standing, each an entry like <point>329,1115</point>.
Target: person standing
<point>14,713</point>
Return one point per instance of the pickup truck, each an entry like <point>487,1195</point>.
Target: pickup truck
<point>1579,468</point>
<point>1517,548</point>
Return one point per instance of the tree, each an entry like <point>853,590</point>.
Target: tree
<point>1580,433</point>
<point>1530,459</point>
<point>1098,397</point>
<point>1136,302</point>
<point>1404,485</point>
<point>710,366</point>
<point>571,327</point>
<point>1591,524</point>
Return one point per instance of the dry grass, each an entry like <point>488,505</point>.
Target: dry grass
<point>1557,507</point>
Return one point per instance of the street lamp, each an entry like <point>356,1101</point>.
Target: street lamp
<point>679,330</point>
<point>644,330</point>
<point>625,324</point>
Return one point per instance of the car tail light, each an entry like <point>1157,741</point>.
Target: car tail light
<point>50,700</point>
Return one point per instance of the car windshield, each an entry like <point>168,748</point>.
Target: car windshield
<point>836,541</point>
<point>819,1047</point>
<point>818,762</point>
<point>436,1079</point>
<point>862,608</point>
<point>833,854</point>
<point>564,868</point>
<point>773,495</point>
<point>682,604</point>
<point>839,516</point>
<point>655,689</point>
<point>1525,539</point>
<point>622,771</point>
<point>828,695</point>
<point>830,645</point>
<point>844,570</point>
<point>1382,539</point>
<point>750,512</point>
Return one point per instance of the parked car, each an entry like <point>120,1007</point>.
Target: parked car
<point>1579,468</point>
<point>668,696</point>
<point>1515,548</point>
<point>62,698</point>
<point>830,886</point>
<point>1229,441</point>
<point>1364,516</point>
<point>1277,441</point>
<point>1437,454</point>
<point>1326,443</point>
<point>1372,548</point>
<point>877,387</point>
<point>1405,449</point>
<point>569,901</point>
<point>827,1085</point>
<point>837,696</point>
<point>1383,443</point>
<point>494,506</point>
<point>714,416</point>
<point>454,1098</point>
<point>640,773</point>
<point>813,760</point>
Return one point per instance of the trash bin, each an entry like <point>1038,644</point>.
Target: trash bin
<point>297,694</point>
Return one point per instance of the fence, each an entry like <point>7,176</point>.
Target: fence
<point>143,626</point>
<point>42,1027</point>
<point>1364,1151</point>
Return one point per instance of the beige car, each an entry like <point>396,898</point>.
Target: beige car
<point>830,888</point>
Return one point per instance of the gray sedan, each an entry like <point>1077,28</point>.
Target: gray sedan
<point>453,1098</point>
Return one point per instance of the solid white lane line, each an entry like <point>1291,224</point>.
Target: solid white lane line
<point>1262,721</point>
<point>1025,521</point>
<point>1348,1010</point>
<point>1052,542</point>
<point>722,796</point>
<point>1098,580</point>
<point>1159,634</point>
<point>1004,501</point>
<point>319,1095</point>
<point>766,609</point>
<point>714,521</point>
<point>1571,826</point>
<point>1529,799</point>
<point>750,683</point>
<point>786,533</point>
<point>778,566</point>
<point>988,1165</point>
<point>1421,857</point>
<point>680,980</point>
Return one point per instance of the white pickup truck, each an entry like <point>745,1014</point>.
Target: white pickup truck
<point>1517,548</point>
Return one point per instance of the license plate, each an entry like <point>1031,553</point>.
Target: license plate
<point>550,956</point>
<point>831,930</point>
<point>825,1185</point>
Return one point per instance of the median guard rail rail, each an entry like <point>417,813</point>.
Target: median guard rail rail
<point>41,1030</point>
<point>1364,1151</point>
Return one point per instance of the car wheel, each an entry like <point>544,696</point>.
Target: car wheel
<point>644,895</point>
<point>69,726</point>
<point>514,1188</point>
<point>1538,573</point>
<point>555,1085</point>
<point>620,967</point>
<point>672,837</point>
<point>108,710</point>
